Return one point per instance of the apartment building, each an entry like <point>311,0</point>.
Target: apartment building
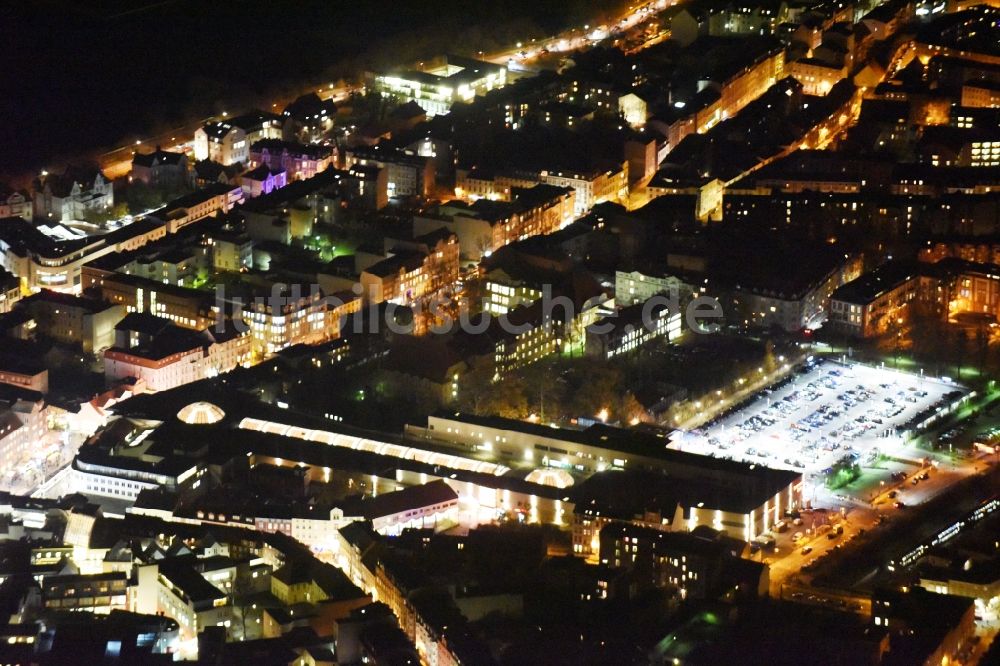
<point>15,203</point>
<point>161,168</point>
<point>636,286</point>
<point>87,322</point>
<point>72,194</point>
<point>164,356</point>
<point>279,315</point>
<point>630,328</point>
<point>173,587</point>
<point>23,423</point>
<point>228,141</point>
<point>414,269</point>
<point>188,308</point>
<point>590,187</point>
<point>876,302</point>
<point>216,198</point>
<point>529,336</point>
<point>94,593</point>
<point>407,173</point>
<point>298,161</point>
<point>487,225</point>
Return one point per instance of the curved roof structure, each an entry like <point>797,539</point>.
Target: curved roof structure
<point>374,446</point>
<point>201,413</point>
<point>547,476</point>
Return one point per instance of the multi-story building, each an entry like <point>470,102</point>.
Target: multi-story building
<point>726,95</point>
<point>478,183</point>
<point>212,199</point>
<point>633,287</point>
<point>23,374</point>
<point>280,315</point>
<point>400,278</point>
<point>525,335</point>
<point>308,118</point>
<point>441,248</point>
<point>816,76</point>
<point>435,89</point>
<point>742,499</point>
<point>15,203</point>
<point>22,426</point>
<point>748,18</point>
<point>590,187</point>
<point>370,186</point>
<point>408,174</point>
<point>877,302</point>
<point>413,270</point>
<point>964,286</point>
<point>231,251</point>
<point>174,588</point>
<point>122,468</point>
<point>947,622</point>
<point>792,304</point>
<point>563,114</point>
<point>591,515</point>
<point>228,141</point>
<point>75,320</point>
<point>94,593</point>
<point>973,578</point>
<point>179,265</point>
<point>981,94</point>
<point>221,142</point>
<point>72,194</point>
<point>487,225</point>
<point>692,564</point>
<point>631,327</point>
<point>163,356</point>
<point>296,584</point>
<point>431,505</point>
<point>161,168</point>
<point>42,263</point>
<point>189,308</point>
<point>505,292</point>
<point>10,291</point>
<point>263,180</point>
<point>298,160</point>
<point>958,34</point>
<point>984,153</point>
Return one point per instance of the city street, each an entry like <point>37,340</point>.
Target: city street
<point>42,462</point>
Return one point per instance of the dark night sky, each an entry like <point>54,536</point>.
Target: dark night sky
<point>83,75</point>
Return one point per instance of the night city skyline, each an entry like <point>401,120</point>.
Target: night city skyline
<point>555,333</point>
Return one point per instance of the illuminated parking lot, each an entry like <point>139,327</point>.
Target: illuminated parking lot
<point>821,415</point>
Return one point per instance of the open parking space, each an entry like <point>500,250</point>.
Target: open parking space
<point>824,413</point>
